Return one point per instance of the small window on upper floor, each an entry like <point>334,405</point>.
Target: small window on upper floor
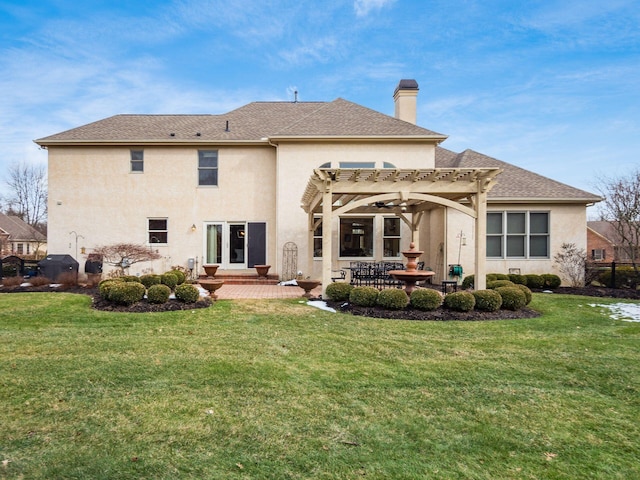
<point>137,161</point>
<point>207,167</point>
<point>388,165</point>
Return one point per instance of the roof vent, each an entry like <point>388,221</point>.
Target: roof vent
<point>198,134</point>
<point>172,134</point>
<point>227,127</point>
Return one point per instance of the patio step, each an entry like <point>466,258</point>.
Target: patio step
<point>246,279</point>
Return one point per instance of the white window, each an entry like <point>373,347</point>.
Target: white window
<point>597,254</point>
<point>207,167</point>
<point>317,238</point>
<point>137,161</point>
<point>158,231</point>
<point>391,237</point>
<point>518,234</point>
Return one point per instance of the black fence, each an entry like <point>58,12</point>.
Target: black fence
<point>614,274</point>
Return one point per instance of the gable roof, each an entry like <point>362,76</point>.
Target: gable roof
<point>514,184</point>
<point>17,229</point>
<point>254,122</point>
<point>609,230</point>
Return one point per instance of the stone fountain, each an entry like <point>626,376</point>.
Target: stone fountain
<point>411,275</point>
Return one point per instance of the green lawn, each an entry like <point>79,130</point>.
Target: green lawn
<point>278,389</point>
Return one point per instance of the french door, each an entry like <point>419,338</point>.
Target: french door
<point>235,244</point>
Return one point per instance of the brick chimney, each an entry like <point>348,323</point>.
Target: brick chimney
<point>405,98</point>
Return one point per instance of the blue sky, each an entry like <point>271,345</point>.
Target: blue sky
<point>551,86</point>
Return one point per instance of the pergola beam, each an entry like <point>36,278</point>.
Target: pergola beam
<point>333,192</point>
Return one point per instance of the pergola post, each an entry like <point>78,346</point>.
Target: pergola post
<point>480,277</point>
<point>327,227</point>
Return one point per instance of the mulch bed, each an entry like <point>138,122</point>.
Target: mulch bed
<point>100,304</point>
<point>375,312</point>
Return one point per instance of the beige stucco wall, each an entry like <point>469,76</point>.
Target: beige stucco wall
<point>296,162</point>
<point>567,225</point>
<point>92,192</point>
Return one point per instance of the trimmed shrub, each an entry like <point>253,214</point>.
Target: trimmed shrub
<point>499,283</point>
<point>501,276</point>
<point>468,282</point>
<point>158,293</point>
<point>149,280</point>
<point>492,277</point>
<point>129,278</point>
<point>527,293</point>
<point>181,276</point>
<point>393,299</point>
<point>126,293</point>
<point>68,279</point>
<point>12,281</point>
<point>460,301</point>
<point>487,300</point>
<point>39,281</point>
<point>551,281</point>
<point>339,291</point>
<point>364,296</point>
<point>169,279</point>
<point>425,299</point>
<point>518,279</point>
<point>187,293</point>
<point>512,298</point>
<point>625,277</point>
<point>535,281</point>
<point>106,286</point>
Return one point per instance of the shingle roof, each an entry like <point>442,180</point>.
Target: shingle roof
<point>609,230</point>
<point>252,122</point>
<point>514,182</point>
<point>19,229</point>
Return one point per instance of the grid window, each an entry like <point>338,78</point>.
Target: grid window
<point>208,167</point>
<point>317,238</point>
<point>391,237</point>
<point>518,234</point>
<point>137,161</point>
<point>158,231</point>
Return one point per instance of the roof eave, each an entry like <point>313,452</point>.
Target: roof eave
<point>585,200</point>
<point>359,138</point>
<point>203,141</point>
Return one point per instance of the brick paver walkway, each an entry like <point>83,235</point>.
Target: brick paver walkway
<point>229,292</point>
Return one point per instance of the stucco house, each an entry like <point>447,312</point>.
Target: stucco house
<point>253,185</point>
<point>19,238</point>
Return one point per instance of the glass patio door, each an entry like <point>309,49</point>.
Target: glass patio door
<point>225,244</point>
<point>237,245</point>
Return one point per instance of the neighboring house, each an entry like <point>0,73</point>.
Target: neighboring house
<point>604,243</point>
<point>20,239</point>
<point>251,187</point>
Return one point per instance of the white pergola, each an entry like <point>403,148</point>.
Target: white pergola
<point>406,193</point>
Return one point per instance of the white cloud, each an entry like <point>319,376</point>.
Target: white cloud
<point>363,7</point>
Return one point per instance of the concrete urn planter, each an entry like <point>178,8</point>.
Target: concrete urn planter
<point>307,286</point>
<point>210,269</point>
<point>262,270</point>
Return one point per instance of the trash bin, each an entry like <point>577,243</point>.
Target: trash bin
<point>55,265</point>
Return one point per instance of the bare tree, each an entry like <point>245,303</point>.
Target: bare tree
<point>27,193</point>
<point>572,262</point>
<point>123,255</point>
<point>621,207</point>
